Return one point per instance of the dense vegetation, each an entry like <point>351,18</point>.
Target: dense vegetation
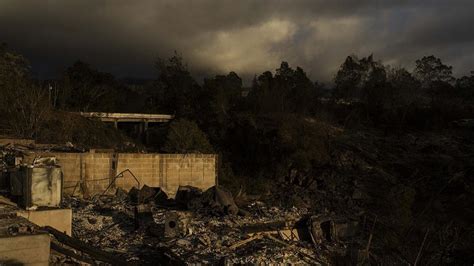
<point>279,124</point>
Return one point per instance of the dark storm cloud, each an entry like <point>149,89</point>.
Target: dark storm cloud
<point>215,36</point>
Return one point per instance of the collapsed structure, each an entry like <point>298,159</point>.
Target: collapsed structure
<point>126,208</point>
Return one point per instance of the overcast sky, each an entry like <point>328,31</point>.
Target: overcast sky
<point>125,37</point>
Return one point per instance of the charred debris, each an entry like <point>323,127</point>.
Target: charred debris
<point>360,205</point>
<point>209,227</point>
<point>195,226</point>
<point>340,218</point>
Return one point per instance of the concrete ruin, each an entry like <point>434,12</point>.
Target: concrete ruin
<point>20,244</point>
<point>37,180</point>
<point>93,172</point>
<point>141,122</point>
<point>114,208</point>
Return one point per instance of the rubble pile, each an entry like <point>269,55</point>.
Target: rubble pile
<point>212,231</point>
<point>375,202</point>
<point>28,148</point>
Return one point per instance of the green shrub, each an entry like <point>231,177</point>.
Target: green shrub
<point>184,136</point>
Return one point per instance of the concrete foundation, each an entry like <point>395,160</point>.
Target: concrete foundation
<point>21,244</point>
<point>59,219</point>
<point>25,250</point>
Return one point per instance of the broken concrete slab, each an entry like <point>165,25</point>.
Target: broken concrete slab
<point>21,243</point>
<point>60,219</point>
<point>25,249</point>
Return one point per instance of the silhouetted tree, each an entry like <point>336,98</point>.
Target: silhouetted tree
<point>295,90</point>
<point>364,81</point>
<point>260,95</point>
<point>465,87</point>
<point>13,67</point>
<point>175,90</point>
<point>14,72</point>
<point>430,69</point>
<point>435,77</point>
<point>219,99</point>
<point>404,96</point>
<point>348,79</point>
<point>304,96</point>
<point>24,106</point>
<point>87,89</point>
<point>288,91</point>
<point>404,88</point>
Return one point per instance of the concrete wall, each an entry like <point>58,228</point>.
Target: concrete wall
<point>59,219</point>
<point>93,169</point>
<point>167,171</point>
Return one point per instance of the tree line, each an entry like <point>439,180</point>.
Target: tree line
<point>278,126</point>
